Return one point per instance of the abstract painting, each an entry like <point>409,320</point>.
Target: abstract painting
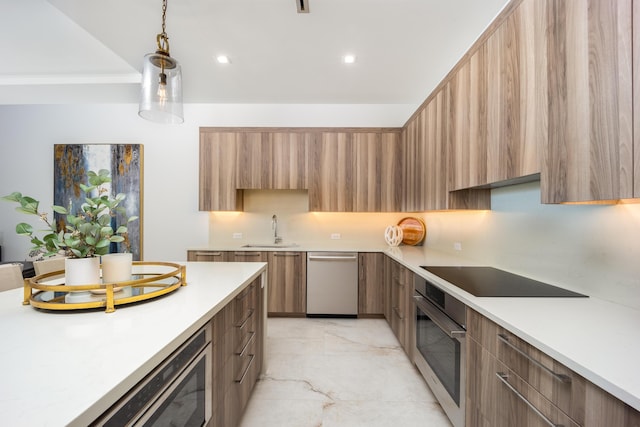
<point>70,166</point>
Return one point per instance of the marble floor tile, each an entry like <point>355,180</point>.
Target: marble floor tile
<point>339,372</point>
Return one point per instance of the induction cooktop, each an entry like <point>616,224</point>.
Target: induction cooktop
<point>492,282</point>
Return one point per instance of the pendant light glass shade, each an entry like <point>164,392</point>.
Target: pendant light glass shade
<point>161,91</point>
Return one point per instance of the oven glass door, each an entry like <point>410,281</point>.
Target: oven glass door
<point>187,401</point>
<point>441,352</point>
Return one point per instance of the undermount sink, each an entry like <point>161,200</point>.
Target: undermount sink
<point>270,245</point>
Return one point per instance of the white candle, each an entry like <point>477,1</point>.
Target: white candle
<point>116,267</point>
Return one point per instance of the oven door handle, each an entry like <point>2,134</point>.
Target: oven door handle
<point>448,326</point>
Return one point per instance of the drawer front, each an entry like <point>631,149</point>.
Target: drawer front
<point>500,398</point>
<point>557,383</point>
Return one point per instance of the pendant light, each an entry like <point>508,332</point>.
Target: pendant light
<point>161,91</point>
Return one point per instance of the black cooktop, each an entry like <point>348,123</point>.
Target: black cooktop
<point>491,282</point>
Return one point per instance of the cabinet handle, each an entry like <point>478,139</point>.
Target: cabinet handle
<point>398,313</point>
<point>503,378</point>
<point>240,253</point>
<point>243,322</point>
<point>246,345</point>
<point>208,253</point>
<point>246,292</point>
<point>246,370</point>
<point>560,377</point>
<point>286,254</point>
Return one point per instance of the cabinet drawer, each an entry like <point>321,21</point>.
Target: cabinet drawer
<point>500,398</point>
<point>557,383</point>
<point>244,303</point>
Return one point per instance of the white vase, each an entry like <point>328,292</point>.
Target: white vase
<point>81,271</point>
<point>116,267</point>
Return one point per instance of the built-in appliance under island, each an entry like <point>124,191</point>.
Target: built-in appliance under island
<point>68,368</point>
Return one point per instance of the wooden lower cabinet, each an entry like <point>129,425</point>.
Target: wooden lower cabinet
<point>399,312</point>
<point>208,256</point>
<point>371,289</point>
<point>287,276</point>
<point>512,383</point>
<point>238,354</point>
<point>287,283</point>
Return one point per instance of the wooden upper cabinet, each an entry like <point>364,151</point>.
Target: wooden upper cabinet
<point>467,89</point>
<point>378,171</point>
<point>217,181</point>
<point>589,155</point>
<point>413,177</point>
<point>289,162</point>
<point>517,103</point>
<point>636,99</point>
<point>332,164</point>
<point>253,161</point>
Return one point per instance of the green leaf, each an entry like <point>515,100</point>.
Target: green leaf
<point>60,210</point>
<point>121,230</point>
<point>13,197</point>
<point>116,239</point>
<point>24,229</point>
<point>132,218</point>
<point>106,231</point>
<point>102,243</point>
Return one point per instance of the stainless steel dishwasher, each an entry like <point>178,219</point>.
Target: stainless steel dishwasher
<point>332,284</point>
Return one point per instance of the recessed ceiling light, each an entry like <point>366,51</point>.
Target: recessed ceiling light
<point>223,59</point>
<point>349,59</point>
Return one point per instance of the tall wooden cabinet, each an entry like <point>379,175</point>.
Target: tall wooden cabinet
<point>589,155</point>
<point>515,75</point>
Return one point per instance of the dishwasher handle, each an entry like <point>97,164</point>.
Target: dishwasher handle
<point>333,257</point>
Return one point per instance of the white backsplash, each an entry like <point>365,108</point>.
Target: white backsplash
<point>296,224</point>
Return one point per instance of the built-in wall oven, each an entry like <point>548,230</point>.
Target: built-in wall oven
<point>177,393</point>
<point>440,346</point>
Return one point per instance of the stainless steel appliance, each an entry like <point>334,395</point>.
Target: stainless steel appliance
<point>177,392</point>
<point>332,284</point>
<point>440,346</point>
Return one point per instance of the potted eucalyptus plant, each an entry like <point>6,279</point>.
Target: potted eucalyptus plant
<point>83,232</point>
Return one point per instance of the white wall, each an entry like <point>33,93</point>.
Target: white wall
<point>172,222</point>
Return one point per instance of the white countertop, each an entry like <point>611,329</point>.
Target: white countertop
<point>67,368</point>
<point>598,339</point>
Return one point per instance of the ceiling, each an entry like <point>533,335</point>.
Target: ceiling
<point>90,51</point>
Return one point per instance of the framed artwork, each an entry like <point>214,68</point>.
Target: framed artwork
<point>71,162</point>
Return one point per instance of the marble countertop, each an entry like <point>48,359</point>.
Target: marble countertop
<point>598,339</point>
<point>67,368</point>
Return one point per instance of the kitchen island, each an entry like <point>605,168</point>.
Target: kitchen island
<point>67,368</point>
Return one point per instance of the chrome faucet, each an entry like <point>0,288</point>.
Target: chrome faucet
<point>274,227</point>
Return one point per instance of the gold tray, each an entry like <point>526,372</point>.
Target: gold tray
<point>149,280</point>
